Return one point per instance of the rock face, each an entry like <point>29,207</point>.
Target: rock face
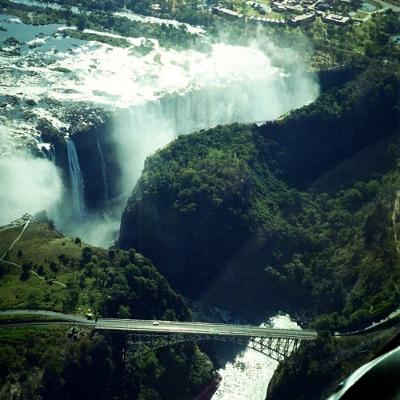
<point>98,163</point>
<point>224,215</point>
<point>95,151</point>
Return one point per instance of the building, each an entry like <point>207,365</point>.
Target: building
<point>302,19</point>
<point>267,21</point>
<point>335,19</point>
<point>278,7</point>
<point>225,12</point>
<point>295,8</point>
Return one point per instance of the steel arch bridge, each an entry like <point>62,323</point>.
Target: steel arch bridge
<point>277,349</point>
<point>143,336</point>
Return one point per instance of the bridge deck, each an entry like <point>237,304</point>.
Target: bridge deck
<point>167,327</point>
<point>201,328</point>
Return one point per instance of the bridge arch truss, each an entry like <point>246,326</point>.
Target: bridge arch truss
<point>276,348</point>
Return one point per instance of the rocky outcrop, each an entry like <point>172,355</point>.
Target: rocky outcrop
<point>90,130</point>
<point>98,163</point>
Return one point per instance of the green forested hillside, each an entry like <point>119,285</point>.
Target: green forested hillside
<point>46,270</point>
<point>233,210</point>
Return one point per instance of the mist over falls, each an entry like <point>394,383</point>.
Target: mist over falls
<point>28,185</point>
<point>154,99</point>
<point>140,130</point>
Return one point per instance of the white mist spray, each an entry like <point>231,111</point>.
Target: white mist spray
<point>28,184</point>
<point>231,84</point>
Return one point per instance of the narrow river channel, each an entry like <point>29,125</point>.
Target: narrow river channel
<point>248,375</point>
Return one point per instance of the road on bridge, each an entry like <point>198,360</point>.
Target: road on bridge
<point>170,327</point>
<point>201,328</point>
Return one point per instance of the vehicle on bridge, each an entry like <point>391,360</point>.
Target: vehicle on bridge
<point>89,316</point>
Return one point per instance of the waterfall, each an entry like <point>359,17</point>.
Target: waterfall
<point>52,154</point>
<point>48,151</point>
<point>102,167</point>
<point>77,184</point>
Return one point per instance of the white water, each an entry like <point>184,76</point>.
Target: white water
<point>28,184</point>
<point>77,184</point>
<point>159,21</point>
<point>48,151</point>
<point>156,96</point>
<point>248,376</point>
<point>231,84</point>
<point>52,155</point>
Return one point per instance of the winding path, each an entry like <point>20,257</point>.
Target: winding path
<point>12,264</point>
<point>16,240</point>
<point>10,247</point>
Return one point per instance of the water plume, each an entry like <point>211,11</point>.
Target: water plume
<point>28,185</point>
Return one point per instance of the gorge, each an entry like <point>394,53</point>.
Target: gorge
<point>230,172</point>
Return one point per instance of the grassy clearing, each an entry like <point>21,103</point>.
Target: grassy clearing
<point>13,318</point>
<point>47,334</point>
<point>53,257</point>
<point>7,237</point>
<point>32,293</point>
<point>360,15</point>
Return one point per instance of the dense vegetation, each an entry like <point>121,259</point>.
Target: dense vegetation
<point>315,371</point>
<point>233,209</point>
<point>46,270</point>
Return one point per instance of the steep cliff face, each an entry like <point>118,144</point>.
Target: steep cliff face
<point>96,155</point>
<point>221,211</point>
<point>89,130</point>
<point>99,163</point>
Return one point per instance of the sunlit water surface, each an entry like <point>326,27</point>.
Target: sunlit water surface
<point>248,376</point>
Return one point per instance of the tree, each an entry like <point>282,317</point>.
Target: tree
<point>82,22</point>
<point>132,255</point>
<point>86,255</point>
<point>82,283</point>
<point>2,270</point>
<point>392,154</point>
<point>72,298</point>
<point>54,267</point>
<point>26,271</point>
<point>111,254</point>
<point>123,312</point>
<point>89,268</point>
<point>104,265</point>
